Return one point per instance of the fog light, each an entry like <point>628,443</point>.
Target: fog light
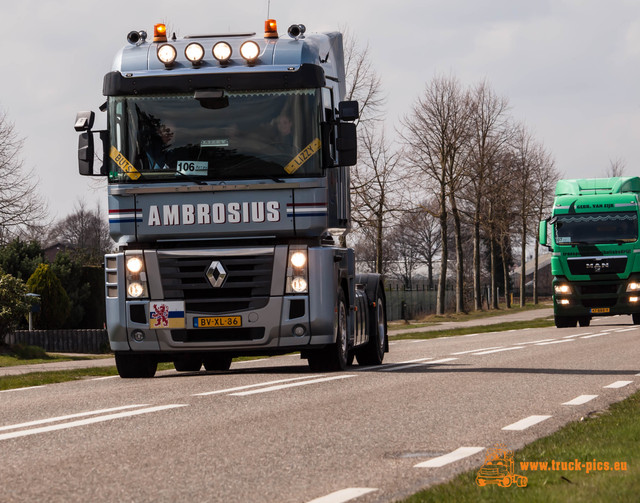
<point>633,299</point>
<point>299,284</point>
<point>135,290</point>
<point>137,335</point>
<point>564,302</point>
<point>299,330</point>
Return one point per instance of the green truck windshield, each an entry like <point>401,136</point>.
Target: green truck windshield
<point>597,228</point>
<point>271,134</point>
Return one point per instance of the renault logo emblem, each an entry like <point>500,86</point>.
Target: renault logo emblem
<point>216,274</point>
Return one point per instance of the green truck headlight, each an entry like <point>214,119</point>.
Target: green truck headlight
<point>562,288</point>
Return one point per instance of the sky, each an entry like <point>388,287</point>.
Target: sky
<point>569,68</point>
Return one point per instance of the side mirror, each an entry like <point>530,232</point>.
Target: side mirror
<point>542,233</point>
<point>86,152</point>
<point>348,111</point>
<point>347,144</point>
<point>84,121</point>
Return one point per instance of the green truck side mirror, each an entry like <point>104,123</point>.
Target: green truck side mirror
<point>542,234</point>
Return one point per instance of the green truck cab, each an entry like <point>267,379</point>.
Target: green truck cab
<point>593,237</point>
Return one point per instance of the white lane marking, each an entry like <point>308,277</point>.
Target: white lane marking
<point>21,389</point>
<point>69,416</point>
<point>576,335</point>
<point>84,422</point>
<point>413,361</point>
<point>419,340</point>
<point>594,335</point>
<point>459,453</point>
<point>498,350</point>
<point>104,378</point>
<point>344,495</point>
<point>554,342</point>
<point>533,342</point>
<point>618,384</point>
<point>411,365</point>
<point>292,385</point>
<point>470,335</point>
<point>475,350</point>
<point>249,386</point>
<point>580,400</point>
<point>627,329</point>
<point>525,423</point>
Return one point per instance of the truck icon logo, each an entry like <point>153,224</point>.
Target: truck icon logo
<point>498,469</point>
<point>216,274</point>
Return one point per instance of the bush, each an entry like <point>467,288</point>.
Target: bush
<point>55,305</point>
<point>14,305</point>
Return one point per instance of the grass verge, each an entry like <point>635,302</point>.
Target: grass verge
<point>18,354</point>
<point>609,437</point>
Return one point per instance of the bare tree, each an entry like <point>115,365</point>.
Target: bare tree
<point>490,132</point>
<point>20,205</point>
<point>373,182</point>
<point>616,167</point>
<point>436,133</point>
<point>85,231</point>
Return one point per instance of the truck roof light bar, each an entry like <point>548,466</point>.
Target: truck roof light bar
<point>167,55</point>
<point>194,52</point>
<point>160,32</point>
<point>222,52</point>
<point>270,28</point>
<point>250,51</point>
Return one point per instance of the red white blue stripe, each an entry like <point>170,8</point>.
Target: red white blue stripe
<point>307,209</point>
<point>125,216</point>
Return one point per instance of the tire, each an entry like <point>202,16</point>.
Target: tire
<point>217,362</point>
<point>188,363</point>
<point>135,366</point>
<point>584,321</point>
<point>636,318</point>
<point>335,356</point>
<point>373,351</point>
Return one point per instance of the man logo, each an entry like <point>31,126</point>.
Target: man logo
<point>216,274</point>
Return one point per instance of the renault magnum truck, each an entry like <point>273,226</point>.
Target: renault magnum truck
<point>595,251</point>
<point>227,159</point>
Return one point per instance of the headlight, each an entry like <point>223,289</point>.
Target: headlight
<point>136,275</point>
<point>167,54</point>
<point>250,51</point>
<point>222,52</point>
<point>561,289</point>
<point>298,259</point>
<point>297,274</point>
<point>633,286</point>
<point>194,53</point>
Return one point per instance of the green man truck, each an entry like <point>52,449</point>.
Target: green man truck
<point>227,159</point>
<point>595,259</point>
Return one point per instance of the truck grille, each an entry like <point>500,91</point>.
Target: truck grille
<point>597,265</point>
<point>247,284</point>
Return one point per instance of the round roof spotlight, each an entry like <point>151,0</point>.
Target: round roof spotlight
<point>250,51</point>
<point>194,52</point>
<point>296,30</point>
<point>167,54</point>
<point>222,52</point>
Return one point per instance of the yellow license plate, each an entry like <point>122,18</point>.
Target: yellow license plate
<point>217,322</point>
<point>596,310</point>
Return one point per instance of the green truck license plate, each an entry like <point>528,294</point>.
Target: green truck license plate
<point>596,310</point>
<point>217,322</point>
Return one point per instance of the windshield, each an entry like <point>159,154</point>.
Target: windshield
<point>597,228</point>
<point>272,134</point>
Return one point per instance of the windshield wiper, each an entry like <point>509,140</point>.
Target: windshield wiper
<point>191,178</point>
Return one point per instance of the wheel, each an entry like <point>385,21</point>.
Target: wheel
<point>133,366</point>
<point>636,318</point>
<point>506,482</point>
<point>335,356</point>
<point>217,362</point>
<point>373,351</point>
<point>584,321</point>
<point>188,363</point>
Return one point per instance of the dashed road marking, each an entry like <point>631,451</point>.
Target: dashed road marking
<point>249,386</point>
<point>344,495</point>
<point>476,350</point>
<point>553,342</point>
<point>411,365</point>
<point>580,400</point>
<point>498,350</point>
<point>459,453</point>
<point>525,423</point>
<point>292,385</point>
<point>618,384</point>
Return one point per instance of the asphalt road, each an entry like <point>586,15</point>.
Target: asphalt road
<point>271,431</point>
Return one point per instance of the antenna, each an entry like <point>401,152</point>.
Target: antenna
<point>268,9</point>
